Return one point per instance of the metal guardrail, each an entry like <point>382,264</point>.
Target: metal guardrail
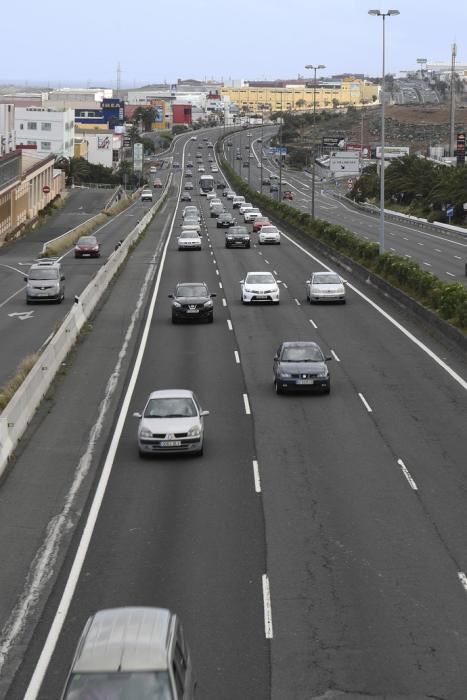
<point>19,412</point>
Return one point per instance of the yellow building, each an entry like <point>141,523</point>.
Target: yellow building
<point>298,97</point>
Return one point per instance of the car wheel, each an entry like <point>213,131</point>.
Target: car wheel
<point>211,318</point>
<point>142,455</point>
<point>277,388</point>
<point>200,452</point>
<point>276,302</point>
<point>327,389</point>
<point>343,301</point>
<point>174,319</point>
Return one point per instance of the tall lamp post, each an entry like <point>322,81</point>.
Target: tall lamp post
<point>313,165</point>
<point>378,13</point>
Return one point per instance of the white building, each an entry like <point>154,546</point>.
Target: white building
<point>46,130</point>
<point>7,129</point>
<point>104,146</point>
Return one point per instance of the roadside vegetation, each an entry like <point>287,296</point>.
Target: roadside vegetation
<point>448,300</point>
<point>13,384</point>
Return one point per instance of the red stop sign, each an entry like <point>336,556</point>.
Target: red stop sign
<point>46,189</point>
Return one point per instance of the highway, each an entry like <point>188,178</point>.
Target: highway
<point>444,255</point>
<point>352,505</point>
<point>25,329</point>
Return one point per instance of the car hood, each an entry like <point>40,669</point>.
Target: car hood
<point>260,287</point>
<point>302,367</point>
<point>169,425</point>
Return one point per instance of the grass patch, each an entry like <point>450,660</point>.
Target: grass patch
<point>12,385</point>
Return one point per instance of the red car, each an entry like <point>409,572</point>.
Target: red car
<point>261,221</point>
<point>157,183</point>
<point>87,246</point>
<point>287,195</point>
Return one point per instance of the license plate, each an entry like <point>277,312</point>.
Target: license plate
<point>305,381</point>
<point>171,443</point>
<point>261,296</point>
<point>192,311</point>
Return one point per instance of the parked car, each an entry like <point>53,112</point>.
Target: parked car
<point>259,287</point>
<point>325,286</point>
<point>266,181</point>
<point>87,246</point>
<point>108,658</point>
<point>301,365</point>
<point>192,301</point>
<point>225,220</point>
<point>237,237</point>
<point>172,421</point>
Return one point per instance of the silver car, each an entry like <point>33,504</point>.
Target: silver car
<point>189,239</point>
<point>172,422</point>
<point>325,286</point>
<point>132,652</point>
<point>45,281</point>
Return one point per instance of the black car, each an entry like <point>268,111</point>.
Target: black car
<point>246,164</point>
<point>221,185</point>
<point>192,301</point>
<point>225,220</point>
<point>237,237</point>
<point>300,365</point>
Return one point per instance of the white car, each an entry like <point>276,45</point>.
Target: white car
<point>269,234</point>
<point>153,169</point>
<point>190,210</point>
<point>194,138</point>
<point>214,200</point>
<point>251,214</point>
<point>325,286</point>
<point>244,206</point>
<point>238,200</point>
<point>189,239</point>
<point>230,194</point>
<point>259,286</point>
<point>172,421</point>
<point>214,169</point>
<point>146,195</point>
<point>211,195</point>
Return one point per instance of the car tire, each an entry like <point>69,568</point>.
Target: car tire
<point>211,318</point>
<point>276,303</point>
<point>142,455</point>
<point>248,245</point>
<point>200,452</point>
<point>343,301</point>
<point>277,388</point>
<point>174,320</point>
<point>327,389</point>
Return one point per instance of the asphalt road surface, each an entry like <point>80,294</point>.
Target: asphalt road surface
<point>352,504</point>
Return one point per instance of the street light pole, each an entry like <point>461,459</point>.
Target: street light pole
<point>262,124</point>
<point>313,164</point>
<point>378,13</point>
<point>249,153</point>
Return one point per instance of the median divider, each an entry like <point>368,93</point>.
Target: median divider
<point>21,408</point>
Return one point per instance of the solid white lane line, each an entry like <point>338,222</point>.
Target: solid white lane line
<point>335,356</point>
<point>224,301</point>
<point>365,403</point>
<point>393,250</point>
<point>229,324</point>
<point>12,296</point>
<point>267,608</point>
<point>407,475</point>
<point>256,476</point>
<point>246,404</point>
<point>237,357</point>
<point>297,302</point>
<point>450,274</point>
<point>313,323</point>
<point>405,238</point>
<point>463,579</point>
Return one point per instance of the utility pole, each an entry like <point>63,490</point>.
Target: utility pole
<point>453,101</point>
<point>313,165</point>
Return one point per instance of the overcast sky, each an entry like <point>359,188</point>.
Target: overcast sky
<point>55,42</point>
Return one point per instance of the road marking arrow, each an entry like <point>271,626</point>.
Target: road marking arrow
<point>22,315</point>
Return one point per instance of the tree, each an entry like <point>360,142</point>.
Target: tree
<point>145,116</point>
<point>335,102</point>
<point>300,103</point>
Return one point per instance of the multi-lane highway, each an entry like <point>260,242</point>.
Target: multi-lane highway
<point>318,547</point>
<point>445,255</point>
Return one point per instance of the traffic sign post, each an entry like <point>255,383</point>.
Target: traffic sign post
<point>450,212</point>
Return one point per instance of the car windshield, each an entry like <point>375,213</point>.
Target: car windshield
<point>192,290</point>
<point>260,279</point>
<point>170,408</point>
<point>239,229</point>
<point>87,240</point>
<point>326,279</point>
<point>189,234</point>
<point>43,274</point>
<point>151,685</point>
<point>305,353</point>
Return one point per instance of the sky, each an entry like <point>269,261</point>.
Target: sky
<point>68,44</point>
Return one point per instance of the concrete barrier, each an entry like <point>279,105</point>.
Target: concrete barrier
<point>18,413</point>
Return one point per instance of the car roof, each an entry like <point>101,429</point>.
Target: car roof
<point>125,639</point>
<point>172,393</point>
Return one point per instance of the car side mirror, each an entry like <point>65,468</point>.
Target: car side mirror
<point>137,415</point>
<point>328,358</point>
<point>25,279</point>
<point>171,296</point>
<point>213,295</point>
<point>204,413</point>
<point>62,277</point>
